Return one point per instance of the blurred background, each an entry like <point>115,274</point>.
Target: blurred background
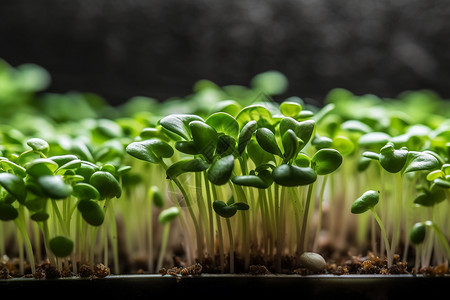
<point>161,48</point>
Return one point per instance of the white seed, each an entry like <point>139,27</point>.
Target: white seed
<point>313,261</point>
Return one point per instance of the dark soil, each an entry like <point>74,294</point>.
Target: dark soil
<point>350,265</point>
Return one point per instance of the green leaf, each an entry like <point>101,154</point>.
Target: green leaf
<point>257,154</point>
<point>186,165</point>
<point>250,180</point>
<point>7,211</point>
<point>363,164</point>
<point>195,165</point>
<point>54,186</point>
<point>205,139</point>
<point>371,155</point>
<point>373,140</point>
<point>168,214</point>
<point>86,170</point>
<point>289,175</point>
<point>176,169</point>
<point>187,147</point>
<point>149,133</point>
<point>91,212</point>
<point>73,164</point>
<point>290,109</point>
<point>246,135</point>
<point>321,142</point>
<point>392,160</point>
<point>106,184</point>
<point>38,144</point>
<point>367,201</point>
<point>40,216</point>
<point>303,130</point>
<point>417,233</point>
<point>63,159</point>
<point>220,171</point>
<point>14,185</point>
<point>179,124</point>
<point>303,160</point>
<point>225,123</point>
<point>343,144</point>
<point>420,161</point>
<point>157,197</point>
<point>290,145</point>
<point>223,210</point>
<point>41,167</point>
<point>257,113</point>
<point>270,82</point>
<point>85,191</point>
<point>326,161</point>
<point>61,246</point>
<point>9,165</point>
<point>225,145</point>
<point>266,139</point>
<point>356,126</point>
<point>241,205</point>
<point>150,150</point>
<point>442,183</point>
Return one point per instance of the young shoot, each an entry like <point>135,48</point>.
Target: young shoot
<point>366,202</point>
<point>227,210</point>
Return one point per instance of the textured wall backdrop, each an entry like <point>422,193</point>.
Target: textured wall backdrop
<point>160,48</point>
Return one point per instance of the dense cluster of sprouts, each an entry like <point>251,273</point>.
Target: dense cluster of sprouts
<point>221,175</point>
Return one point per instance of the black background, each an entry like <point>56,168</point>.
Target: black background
<point>160,48</point>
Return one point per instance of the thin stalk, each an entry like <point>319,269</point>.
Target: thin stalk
<point>297,205</point>
<point>28,246</point>
<point>113,236</point>
<point>302,240</point>
<point>230,236</point>
<point>211,218</point>
<point>219,229</point>
<point>397,210</point>
<point>2,239</point>
<point>191,212</point>
<point>279,240</point>
<point>319,217</point>
<point>442,239</point>
<point>162,250</point>
<point>150,264</point>
<point>245,250</point>
<point>383,233</point>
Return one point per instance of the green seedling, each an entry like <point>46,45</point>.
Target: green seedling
<point>165,218</point>
<point>418,236</point>
<point>227,210</point>
<point>64,158</point>
<point>366,202</point>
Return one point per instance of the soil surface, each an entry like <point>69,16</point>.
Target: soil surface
<point>351,265</point>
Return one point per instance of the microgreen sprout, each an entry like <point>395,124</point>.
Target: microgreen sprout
<point>80,180</point>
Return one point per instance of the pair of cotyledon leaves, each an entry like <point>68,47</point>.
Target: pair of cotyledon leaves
<point>200,137</point>
<point>396,160</point>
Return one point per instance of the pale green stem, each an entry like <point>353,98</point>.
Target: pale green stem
<point>162,251</point>
<point>302,240</point>
<point>211,219</point>
<point>319,217</point>
<point>28,246</point>
<point>383,233</point>
<point>443,240</point>
<point>230,235</point>
<point>219,229</point>
<point>397,211</point>
<point>150,264</point>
